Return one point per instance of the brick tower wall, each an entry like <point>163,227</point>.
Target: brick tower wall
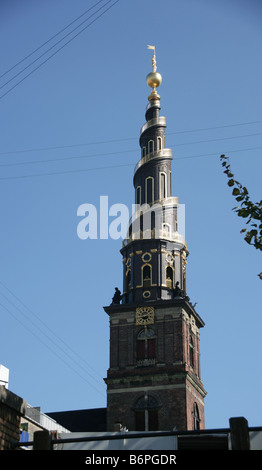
<point>12,408</point>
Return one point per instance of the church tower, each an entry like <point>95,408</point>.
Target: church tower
<point>153,381</point>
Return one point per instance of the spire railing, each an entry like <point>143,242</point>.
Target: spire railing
<point>163,153</point>
<point>157,121</point>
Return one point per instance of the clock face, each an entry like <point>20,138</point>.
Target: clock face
<point>145,315</point>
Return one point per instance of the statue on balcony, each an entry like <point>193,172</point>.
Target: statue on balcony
<point>117,296</point>
<point>178,292</point>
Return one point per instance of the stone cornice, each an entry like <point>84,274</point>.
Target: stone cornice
<point>178,302</point>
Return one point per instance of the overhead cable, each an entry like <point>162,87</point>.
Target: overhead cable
<point>96,155</point>
<point>102,142</point>
<point>49,40</point>
<point>40,330</point>
<point>110,167</point>
<point>60,48</point>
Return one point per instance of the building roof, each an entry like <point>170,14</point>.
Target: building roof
<point>92,420</point>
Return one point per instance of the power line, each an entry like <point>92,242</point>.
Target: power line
<point>218,139</point>
<point>24,315</point>
<point>39,339</point>
<point>67,172</point>
<point>49,40</point>
<point>96,155</point>
<point>70,40</point>
<point>45,335</point>
<point>218,153</point>
<point>50,160</point>
<point>59,147</point>
<point>118,166</point>
<point>216,127</point>
<point>48,50</point>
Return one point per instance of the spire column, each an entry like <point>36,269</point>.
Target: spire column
<point>153,382</point>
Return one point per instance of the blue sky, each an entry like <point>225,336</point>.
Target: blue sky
<point>69,134</point>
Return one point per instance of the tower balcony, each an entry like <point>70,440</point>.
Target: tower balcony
<point>158,205</point>
<point>156,234</point>
<point>157,121</point>
<point>163,153</point>
<point>160,227</point>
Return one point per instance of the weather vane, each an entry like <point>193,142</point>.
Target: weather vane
<point>154,78</point>
<point>153,58</point>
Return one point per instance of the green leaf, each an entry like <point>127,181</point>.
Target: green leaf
<point>235,191</point>
<point>248,238</point>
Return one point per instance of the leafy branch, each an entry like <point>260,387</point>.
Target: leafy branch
<point>247,210</point>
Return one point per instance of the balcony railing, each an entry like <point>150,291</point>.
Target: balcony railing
<point>158,121</point>
<point>156,235</point>
<point>164,153</point>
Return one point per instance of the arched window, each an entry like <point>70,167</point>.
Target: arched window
<point>153,220</point>
<point>128,279</point>
<point>143,151</point>
<point>138,195</point>
<point>147,275</point>
<point>150,146</point>
<point>141,221</point>
<point>196,419</point>
<point>149,189</point>
<point>159,143</point>
<point>146,346</point>
<point>169,277</point>
<point>146,414</point>
<point>162,188</point>
<point>191,351</point>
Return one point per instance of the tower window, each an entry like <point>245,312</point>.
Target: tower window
<point>162,194</point>
<point>149,189</point>
<point>191,351</point>
<point>138,195</point>
<point>153,220</point>
<point>159,143</point>
<point>146,414</point>
<point>196,419</point>
<point>141,222</point>
<point>128,279</point>
<point>147,275</point>
<point>150,146</point>
<point>169,277</point>
<point>146,346</point>
<point>143,151</point>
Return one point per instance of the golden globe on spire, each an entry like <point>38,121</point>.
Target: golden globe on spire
<point>154,79</point>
